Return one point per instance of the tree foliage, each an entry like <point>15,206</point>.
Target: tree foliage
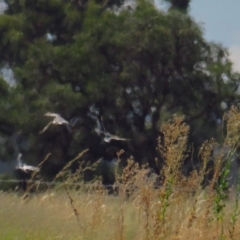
<point>181,5</point>
<point>137,66</point>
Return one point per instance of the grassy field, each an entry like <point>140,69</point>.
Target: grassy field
<point>179,208</point>
<point>50,215</point>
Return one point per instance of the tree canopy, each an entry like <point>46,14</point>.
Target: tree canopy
<point>135,65</point>
<point>181,5</point>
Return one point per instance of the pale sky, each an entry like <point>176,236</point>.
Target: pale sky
<point>221,21</point>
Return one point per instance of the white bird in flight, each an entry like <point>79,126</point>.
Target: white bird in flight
<point>108,137</point>
<point>57,120</point>
<point>24,167</point>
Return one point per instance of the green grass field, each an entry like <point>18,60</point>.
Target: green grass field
<point>50,215</point>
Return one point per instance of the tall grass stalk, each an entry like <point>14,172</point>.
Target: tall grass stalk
<point>236,210</point>
<point>197,206</point>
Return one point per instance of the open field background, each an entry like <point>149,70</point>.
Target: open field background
<point>50,215</point>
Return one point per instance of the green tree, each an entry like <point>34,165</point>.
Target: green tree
<point>181,5</point>
<point>137,66</point>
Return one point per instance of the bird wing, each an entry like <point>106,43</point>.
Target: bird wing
<point>30,168</point>
<point>46,127</point>
<point>98,131</point>
<point>107,139</point>
<point>103,127</point>
<point>49,114</point>
<point>98,124</point>
<point>19,161</point>
<point>21,169</point>
<point>60,120</point>
<point>114,137</point>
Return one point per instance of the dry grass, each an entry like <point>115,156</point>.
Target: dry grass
<point>50,216</point>
<point>179,209</point>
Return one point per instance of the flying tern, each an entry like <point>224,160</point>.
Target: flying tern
<point>24,167</point>
<point>57,120</point>
<point>24,172</point>
<point>108,137</point>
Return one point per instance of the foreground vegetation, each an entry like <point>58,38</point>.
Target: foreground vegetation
<point>177,207</point>
<point>150,214</point>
